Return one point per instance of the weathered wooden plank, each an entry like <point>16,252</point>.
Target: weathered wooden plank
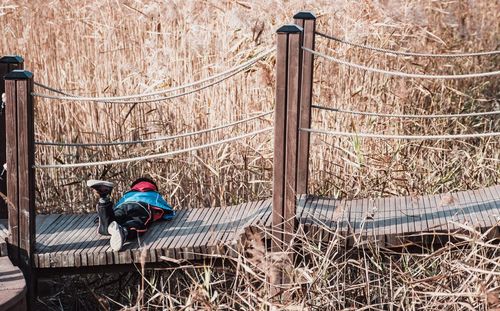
<point>12,286</point>
<point>7,64</point>
<point>393,224</point>
<point>399,220</point>
<point>154,243</point>
<point>192,245</point>
<point>241,212</point>
<point>194,220</point>
<point>474,198</point>
<point>235,230</point>
<point>54,235</point>
<point>96,242</point>
<point>168,241</point>
<point>89,237</point>
<point>47,255</point>
<point>412,215</point>
<point>25,162</point>
<point>307,217</point>
<point>368,217</point>
<point>350,221</point>
<point>449,211</point>
<point>43,222</point>
<point>55,250</point>
<point>421,207</point>
<point>279,137</point>
<point>75,241</point>
<point>52,231</point>
<point>314,216</point>
<point>489,207</point>
<point>334,218</point>
<point>171,235</point>
<point>433,215</point>
<point>4,233</point>
<point>292,132</point>
<point>82,241</point>
<point>47,223</point>
<point>308,22</point>
<point>355,212</point>
<point>265,219</point>
<point>302,202</point>
<point>12,172</point>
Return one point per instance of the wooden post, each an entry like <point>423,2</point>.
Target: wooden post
<point>307,21</point>
<point>288,63</point>
<point>7,64</point>
<point>21,173</point>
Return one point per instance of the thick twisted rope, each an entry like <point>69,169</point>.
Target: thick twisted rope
<point>153,156</point>
<point>408,116</point>
<point>409,137</point>
<point>402,53</point>
<point>123,99</point>
<point>161,138</point>
<point>404,74</point>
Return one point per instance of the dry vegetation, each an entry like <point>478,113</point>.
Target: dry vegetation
<point>459,276</point>
<point>125,47</point>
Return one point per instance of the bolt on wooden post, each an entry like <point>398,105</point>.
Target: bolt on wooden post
<point>307,21</point>
<point>20,147</point>
<point>7,64</point>
<point>288,73</point>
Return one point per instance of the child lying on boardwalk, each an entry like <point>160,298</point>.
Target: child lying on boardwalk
<point>133,213</point>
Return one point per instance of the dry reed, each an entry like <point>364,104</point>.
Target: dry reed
<point>115,48</point>
<point>461,275</point>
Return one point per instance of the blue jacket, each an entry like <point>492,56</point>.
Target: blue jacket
<point>150,197</point>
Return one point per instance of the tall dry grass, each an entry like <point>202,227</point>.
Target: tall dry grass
<point>124,47</point>
<point>462,275</point>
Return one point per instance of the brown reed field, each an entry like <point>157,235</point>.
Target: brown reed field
<point>111,48</point>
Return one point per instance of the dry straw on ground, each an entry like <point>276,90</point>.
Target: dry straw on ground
<point>462,275</point>
<point>115,48</point>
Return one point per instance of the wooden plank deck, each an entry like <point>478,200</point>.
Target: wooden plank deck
<point>12,286</point>
<point>73,241</point>
<point>4,233</point>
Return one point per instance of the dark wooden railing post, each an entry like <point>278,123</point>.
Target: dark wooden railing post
<point>7,64</point>
<point>21,174</point>
<point>288,63</point>
<point>307,21</point>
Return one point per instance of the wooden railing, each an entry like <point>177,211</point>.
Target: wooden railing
<point>293,110</point>
<point>294,79</point>
<point>20,150</point>
<point>7,64</point>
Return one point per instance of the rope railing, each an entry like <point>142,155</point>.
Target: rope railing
<point>153,156</point>
<point>403,74</point>
<point>407,137</point>
<point>402,53</point>
<point>129,99</point>
<point>408,116</point>
<point>156,139</point>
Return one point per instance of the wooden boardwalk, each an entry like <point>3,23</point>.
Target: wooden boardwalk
<point>4,233</point>
<point>12,287</point>
<point>65,241</point>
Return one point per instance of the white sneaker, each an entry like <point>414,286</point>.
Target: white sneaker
<point>118,236</point>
